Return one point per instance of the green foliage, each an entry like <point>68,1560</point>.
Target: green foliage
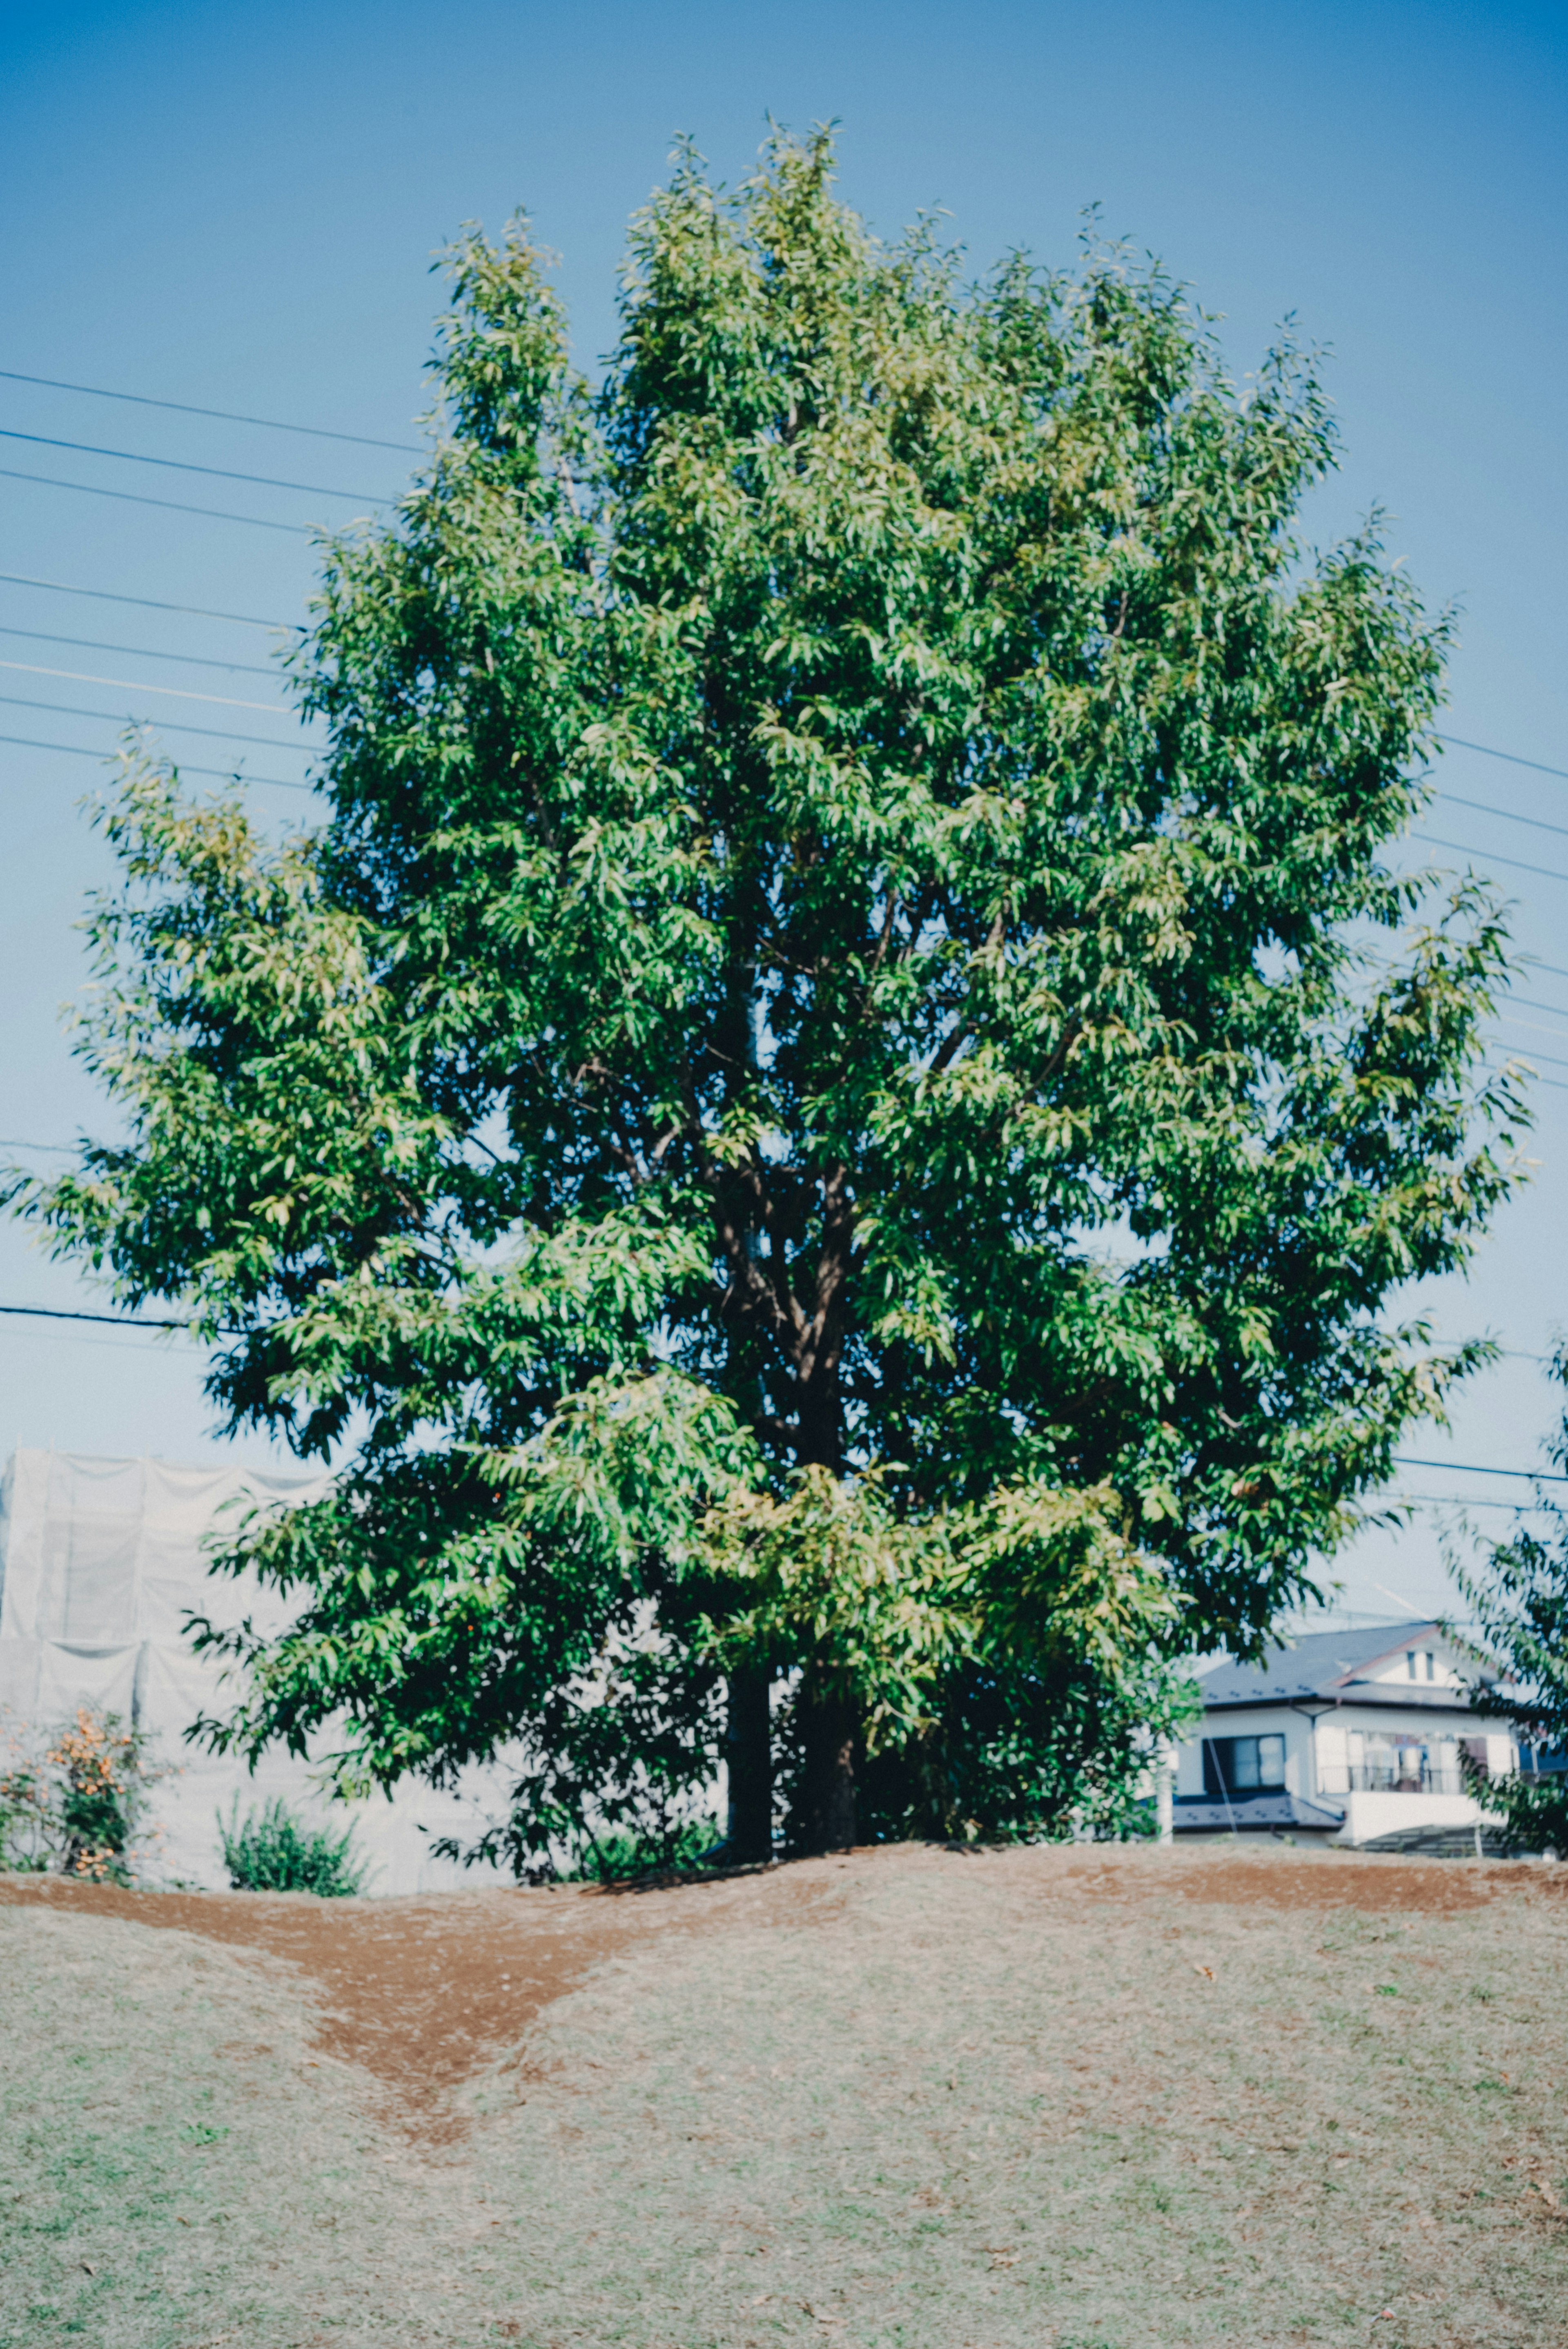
<point>75,1802</point>
<point>618,1857</point>
<point>847,990</point>
<point>271,1850</point>
<point>1519,1599</point>
<point>1002,1661</point>
<point>1534,1809</point>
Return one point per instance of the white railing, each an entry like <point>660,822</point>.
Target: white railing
<point>1383,1778</point>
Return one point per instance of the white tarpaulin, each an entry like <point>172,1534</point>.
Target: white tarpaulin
<point>100,1561</point>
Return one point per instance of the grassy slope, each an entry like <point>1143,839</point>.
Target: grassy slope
<point>960,2105</point>
<point>175,2166</point>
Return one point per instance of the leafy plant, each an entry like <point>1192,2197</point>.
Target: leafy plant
<point>75,1802</point>
<point>619,1856</point>
<point>850,992</point>
<point>271,1850</point>
<point>1519,1596</point>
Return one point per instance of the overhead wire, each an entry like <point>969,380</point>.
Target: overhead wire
<point>165,726</point>
<point>139,652</point>
<point>1532,1005</point>
<point>1488,856</point>
<point>1485,807</point>
<point>1511,758</point>
<point>168,505</point>
<point>221,415</point>
<point>224,774</point>
<point>148,603</point>
<point>1536,1027</point>
<point>139,685</point>
<point>183,465</point>
<point>1476,1468</point>
<point>1461,1501</point>
<point>1553,1084</point>
<point>114,1320</point>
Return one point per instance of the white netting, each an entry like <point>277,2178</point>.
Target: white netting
<point>99,1562</point>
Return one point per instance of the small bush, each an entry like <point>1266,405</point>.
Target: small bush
<point>75,1802</point>
<point>269,1850</point>
<point>621,1853</point>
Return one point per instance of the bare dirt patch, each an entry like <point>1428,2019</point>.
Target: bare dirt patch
<point>1282,1877</point>
<point>423,1992</point>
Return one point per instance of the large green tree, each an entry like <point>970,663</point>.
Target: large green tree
<point>839,1102</point>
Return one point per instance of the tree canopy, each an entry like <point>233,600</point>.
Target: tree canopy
<point>829,1126</point>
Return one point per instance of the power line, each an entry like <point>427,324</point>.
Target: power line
<point>115,1321</point>
<point>1542,872</point>
<point>1485,807</point>
<point>148,603</point>
<point>168,505</point>
<point>224,774</point>
<point>1536,1027</point>
<point>1475,1468</point>
<point>180,465</point>
<point>1553,1084</point>
<point>139,652</point>
<point>134,685</point>
<point>1530,1053</point>
<point>1462,1501</point>
<point>1511,757</point>
<point>170,726</point>
<point>221,415</point>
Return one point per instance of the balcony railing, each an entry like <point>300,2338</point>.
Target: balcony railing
<point>1384,1778</point>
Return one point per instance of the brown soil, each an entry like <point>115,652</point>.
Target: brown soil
<point>422,1993</point>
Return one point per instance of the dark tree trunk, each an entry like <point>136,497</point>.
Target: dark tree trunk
<point>749,1755</point>
<point>769,1316</point>
<point>824,1813</point>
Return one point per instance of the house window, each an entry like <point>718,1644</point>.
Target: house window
<point>1243,1765</point>
<point>1411,1664</point>
<point>1431,1666</point>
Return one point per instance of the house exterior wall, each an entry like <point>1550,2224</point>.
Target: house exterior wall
<point>1251,1721</point>
<point>1330,1758</point>
<point>1371,1814</point>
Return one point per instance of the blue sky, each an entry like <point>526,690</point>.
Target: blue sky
<point>237,209</point>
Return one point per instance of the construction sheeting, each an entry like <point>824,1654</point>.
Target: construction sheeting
<point>100,1562</point>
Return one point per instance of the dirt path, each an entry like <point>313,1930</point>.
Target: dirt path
<point>421,1993</point>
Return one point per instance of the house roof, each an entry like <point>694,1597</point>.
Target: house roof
<point>1196,1814</point>
<point>1337,1665</point>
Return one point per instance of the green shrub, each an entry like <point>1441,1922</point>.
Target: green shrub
<point>269,1850</point>
<point>622,1853</point>
<point>74,1801</point>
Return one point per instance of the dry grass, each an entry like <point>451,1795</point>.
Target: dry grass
<point>178,2166</point>
<point>1126,2100</point>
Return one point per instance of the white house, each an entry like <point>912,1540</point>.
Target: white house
<point>100,1560</point>
<point>1357,1738</point>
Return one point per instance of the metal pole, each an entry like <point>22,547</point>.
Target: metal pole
<point>1225,1790</point>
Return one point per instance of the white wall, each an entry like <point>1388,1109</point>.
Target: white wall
<point>1252,1721</point>
<point>1372,1811</point>
<point>99,1562</point>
